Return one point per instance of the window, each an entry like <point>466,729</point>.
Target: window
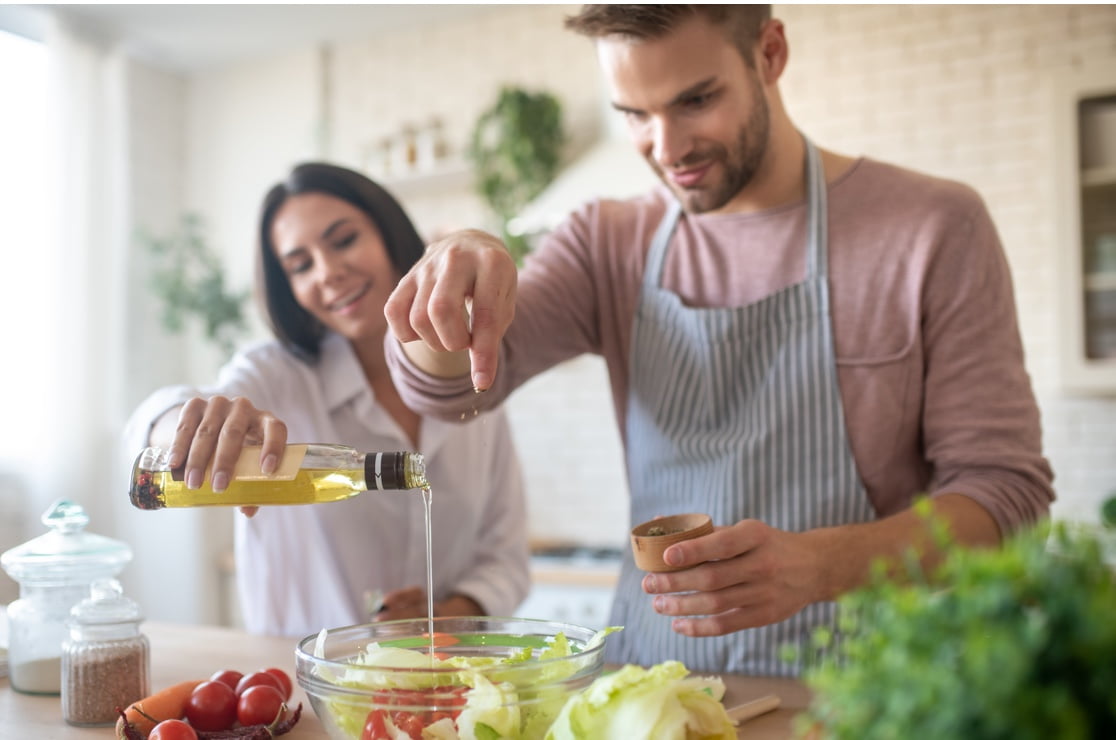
<point>26,301</point>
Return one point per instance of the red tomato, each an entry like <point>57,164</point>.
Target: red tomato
<point>211,706</point>
<point>228,677</point>
<point>173,729</point>
<point>410,723</point>
<point>375,726</point>
<point>259,678</point>
<point>285,681</point>
<point>259,705</point>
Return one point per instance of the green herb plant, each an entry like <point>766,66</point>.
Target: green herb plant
<point>1017,642</point>
<point>189,280</point>
<point>516,149</point>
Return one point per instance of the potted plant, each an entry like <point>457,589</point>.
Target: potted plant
<point>1017,642</point>
<point>516,149</point>
<point>189,280</point>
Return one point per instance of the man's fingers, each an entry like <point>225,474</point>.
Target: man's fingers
<point>397,310</point>
<point>493,308</point>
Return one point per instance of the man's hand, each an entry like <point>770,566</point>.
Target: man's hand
<point>746,575</point>
<point>460,295</point>
<point>750,574</point>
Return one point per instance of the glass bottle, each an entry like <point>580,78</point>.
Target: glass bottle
<point>106,662</point>
<point>54,572</point>
<point>307,474</point>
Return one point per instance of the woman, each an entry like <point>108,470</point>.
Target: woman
<point>332,246</point>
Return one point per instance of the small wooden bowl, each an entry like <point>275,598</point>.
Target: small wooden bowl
<point>647,548</point>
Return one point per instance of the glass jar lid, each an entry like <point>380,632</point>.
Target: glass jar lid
<point>106,604</point>
<point>65,555</point>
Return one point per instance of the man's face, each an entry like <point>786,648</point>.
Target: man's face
<point>695,110</point>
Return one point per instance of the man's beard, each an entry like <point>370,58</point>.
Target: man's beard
<point>740,164</point>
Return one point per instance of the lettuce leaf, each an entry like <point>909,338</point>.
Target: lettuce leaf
<point>659,703</point>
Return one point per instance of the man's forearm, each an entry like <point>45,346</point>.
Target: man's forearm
<point>846,553</point>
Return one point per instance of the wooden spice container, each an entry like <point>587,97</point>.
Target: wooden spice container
<point>651,538</point>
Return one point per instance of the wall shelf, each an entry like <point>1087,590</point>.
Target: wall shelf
<point>451,174</point>
<point>1098,176</point>
<point>1095,281</point>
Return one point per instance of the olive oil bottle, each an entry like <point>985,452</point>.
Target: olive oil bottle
<point>307,474</point>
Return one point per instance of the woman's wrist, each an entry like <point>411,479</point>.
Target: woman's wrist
<point>458,605</point>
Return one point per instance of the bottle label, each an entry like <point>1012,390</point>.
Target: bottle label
<point>248,466</point>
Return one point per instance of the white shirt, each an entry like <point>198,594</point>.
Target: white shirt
<point>303,568</point>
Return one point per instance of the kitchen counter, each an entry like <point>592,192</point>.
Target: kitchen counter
<point>181,652</point>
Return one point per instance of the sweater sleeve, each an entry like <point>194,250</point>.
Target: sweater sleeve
<point>556,319</point>
<point>981,421</point>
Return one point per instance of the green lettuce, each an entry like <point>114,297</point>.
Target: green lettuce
<point>510,698</point>
<point>659,703</point>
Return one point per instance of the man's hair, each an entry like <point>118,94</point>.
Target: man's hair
<point>741,24</point>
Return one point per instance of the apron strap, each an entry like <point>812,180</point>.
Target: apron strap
<point>656,255</point>
<point>816,226</point>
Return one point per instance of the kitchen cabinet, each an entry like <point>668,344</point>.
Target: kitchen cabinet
<point>572,584</point>
<point>1085,132</point>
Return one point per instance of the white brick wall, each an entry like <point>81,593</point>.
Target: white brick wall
<point>958,91</point>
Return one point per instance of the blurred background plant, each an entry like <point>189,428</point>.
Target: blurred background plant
<point>1016,642</point>
<point>189,280</point>
<point>516,149</point>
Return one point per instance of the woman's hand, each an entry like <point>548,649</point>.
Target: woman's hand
<point>216,430</point>
<point>460,295</point>
<point>410,603</point>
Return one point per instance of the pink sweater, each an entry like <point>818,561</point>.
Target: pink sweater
<point>929,359</point>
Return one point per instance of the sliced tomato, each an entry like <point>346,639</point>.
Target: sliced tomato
<point>410,723</point>
<point>375,726</point>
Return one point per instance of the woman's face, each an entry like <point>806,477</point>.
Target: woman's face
<point>335,259</point>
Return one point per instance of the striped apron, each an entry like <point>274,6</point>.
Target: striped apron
<point>735,412</point>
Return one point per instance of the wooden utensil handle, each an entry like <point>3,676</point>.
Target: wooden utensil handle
<point>744,712</point>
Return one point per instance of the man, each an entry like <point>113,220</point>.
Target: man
<point>798,342</point>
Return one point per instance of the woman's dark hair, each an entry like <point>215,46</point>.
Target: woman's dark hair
<point>291,324</point>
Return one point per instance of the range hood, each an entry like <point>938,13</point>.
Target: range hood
<point>611,168</point>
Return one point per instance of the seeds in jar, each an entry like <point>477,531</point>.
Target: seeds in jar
<point>98,681</point>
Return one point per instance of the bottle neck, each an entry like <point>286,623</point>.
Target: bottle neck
<point>394,471</point>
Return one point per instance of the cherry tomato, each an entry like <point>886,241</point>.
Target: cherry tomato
<point>211,706</point>
<point>173,729</point>
<point>228,677</point>
<point>259,678</point>
<point>259,705</point>
<point>284,680</point>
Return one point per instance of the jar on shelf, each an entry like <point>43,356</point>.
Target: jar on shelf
<point>106,662</point>
<point>431,145</point>
<point>54,572</point>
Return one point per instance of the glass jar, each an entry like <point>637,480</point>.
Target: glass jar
<point>54,572</point>
<point>106,660</point>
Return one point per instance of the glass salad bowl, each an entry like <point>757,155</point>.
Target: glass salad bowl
<point>488,677</point>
